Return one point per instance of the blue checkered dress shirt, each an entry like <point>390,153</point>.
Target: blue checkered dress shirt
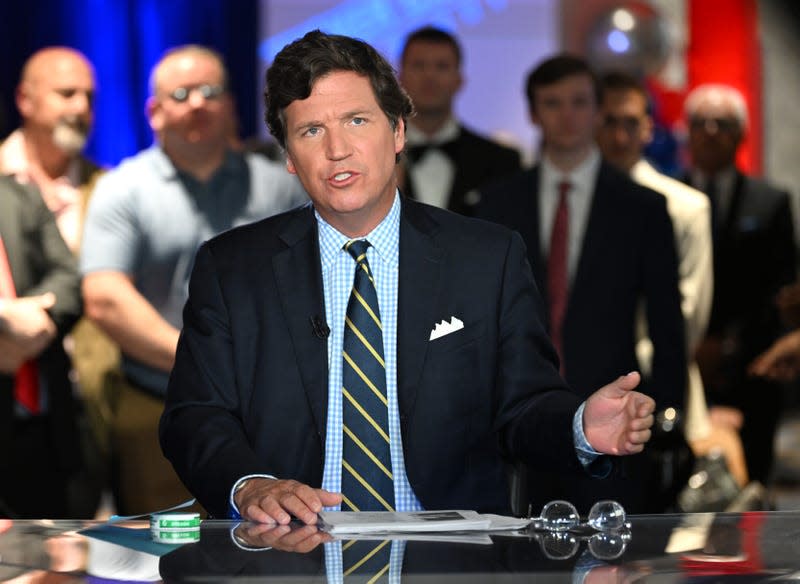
<point>338,268</point>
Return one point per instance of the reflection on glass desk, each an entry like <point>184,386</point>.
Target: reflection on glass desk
<point>758,546</point>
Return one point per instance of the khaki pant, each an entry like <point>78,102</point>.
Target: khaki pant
<point>145,481</point>
<point>93,356</point>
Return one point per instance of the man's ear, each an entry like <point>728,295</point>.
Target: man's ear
<point>532,115</point>
<point>647,130</point>
<point>289,164</point>
<point>155,114</point>
<point>399,136</point>
<point>24,100</point>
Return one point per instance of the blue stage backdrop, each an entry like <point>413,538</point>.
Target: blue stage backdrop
<point>124,38</point>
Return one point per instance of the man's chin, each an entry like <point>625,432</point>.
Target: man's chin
<point>69,140</point>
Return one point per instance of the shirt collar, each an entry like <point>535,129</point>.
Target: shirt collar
<point>231,163</point>
<point>582,177</point>
<point>448,132</point>
<point>385,238</point>
<point>724,178</point>
<point>14,161</point>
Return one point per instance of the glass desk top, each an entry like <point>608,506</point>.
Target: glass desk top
<point>759,546</point>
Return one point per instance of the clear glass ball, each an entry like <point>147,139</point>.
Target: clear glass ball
<point>607,516</point>
<point>559,545</point>
<point>560,516</point>
<point>608,545</point>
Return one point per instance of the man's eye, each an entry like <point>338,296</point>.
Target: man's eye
<point>312,131</point>
<point>359,121</point>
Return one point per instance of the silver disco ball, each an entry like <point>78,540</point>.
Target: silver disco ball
<point>632,37</point>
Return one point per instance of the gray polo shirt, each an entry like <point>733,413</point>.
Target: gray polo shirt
<point>147,219</point>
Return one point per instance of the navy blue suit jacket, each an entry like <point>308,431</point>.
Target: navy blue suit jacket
<point>249,390</point>
<point>754,256</point>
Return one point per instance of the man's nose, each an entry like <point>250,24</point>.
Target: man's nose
<point>710,126</point>
<point>196,98</point>
<point>81,102</point>
<point>337,146</point>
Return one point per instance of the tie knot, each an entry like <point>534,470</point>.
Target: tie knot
<point>357,248</point>
<point>563,187</point>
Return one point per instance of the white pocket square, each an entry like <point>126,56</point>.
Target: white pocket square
<point>445,328</point>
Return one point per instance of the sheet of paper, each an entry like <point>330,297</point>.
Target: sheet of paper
<point>338,522</point>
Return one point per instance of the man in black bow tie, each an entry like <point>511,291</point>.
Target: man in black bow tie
<point>445,162</point>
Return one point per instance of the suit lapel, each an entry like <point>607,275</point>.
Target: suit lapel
<point>597,224</point>
<point>298,274</point>
<point>730,222</point>
<point>12,231</point>
<point>462,173</point>
<point>534,239</point>
<point>420,286</point>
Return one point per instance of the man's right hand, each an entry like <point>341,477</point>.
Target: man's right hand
<point>25,322</point>
<point>276,501</point>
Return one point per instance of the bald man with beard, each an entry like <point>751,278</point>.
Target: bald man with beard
<point>55,99</point>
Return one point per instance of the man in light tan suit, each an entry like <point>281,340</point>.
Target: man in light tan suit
<point>625,130</point>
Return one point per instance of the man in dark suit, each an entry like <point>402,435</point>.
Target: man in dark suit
<point>39,303</point>
<point>599,245</point>
<point>445,161</point>
<point>754,256</point>
<point>259,405</point>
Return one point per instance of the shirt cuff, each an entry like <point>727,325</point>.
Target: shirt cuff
<point>233,510</point>
<point>595,463</point>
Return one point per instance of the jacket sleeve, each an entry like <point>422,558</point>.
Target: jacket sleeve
<point>200,431</point>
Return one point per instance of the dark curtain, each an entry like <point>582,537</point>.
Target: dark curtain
<point>124,39</point>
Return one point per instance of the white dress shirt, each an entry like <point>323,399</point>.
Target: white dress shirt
<point>582,180</point>
<point>432,175</point>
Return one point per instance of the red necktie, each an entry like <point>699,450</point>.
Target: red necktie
<point>26,381</point>
<point>557,269</point>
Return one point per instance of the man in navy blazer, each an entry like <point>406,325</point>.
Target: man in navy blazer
<point>254,410</point>
<point>754,256</point>
<point>620,256</point>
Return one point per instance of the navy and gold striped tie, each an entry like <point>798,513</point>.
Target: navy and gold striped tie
<point>367,483</point>
<point>366,560</point>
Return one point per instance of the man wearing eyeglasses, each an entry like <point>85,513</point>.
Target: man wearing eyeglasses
<point>625,129</point>
<point>754,255</point>
<point>146,220</point>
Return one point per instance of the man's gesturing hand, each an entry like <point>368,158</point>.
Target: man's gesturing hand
<point>277,501</point>
<point>616,419</point>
